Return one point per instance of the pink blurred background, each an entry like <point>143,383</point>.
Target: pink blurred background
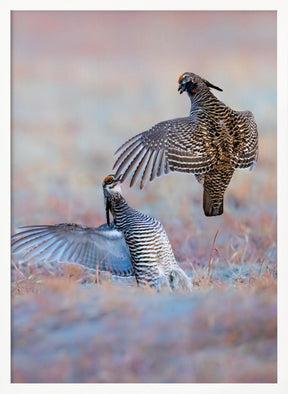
<point>84,82</point>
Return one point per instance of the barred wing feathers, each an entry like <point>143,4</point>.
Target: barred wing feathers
<point>180,144</point>
<point>246,153</point>
<point>92,247</point>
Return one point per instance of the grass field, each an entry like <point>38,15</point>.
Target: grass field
<point>83,84</point>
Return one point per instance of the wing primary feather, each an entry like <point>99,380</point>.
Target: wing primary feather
<point>40,249</point>
<point>161,164</point>
<point>166,169</point>
<point>50,253</point>
<point>28,233</point>
<point>66,252</point>
<point>146,171</point>
<point>73,251</point>
<point>58,250</point>
<point>127,159</point>
<point>37,227</point>
<point>139,168</point>
<point>128,144</point>
<point>78,256</point>
<point>80,251</point>
<point>89,256</point>
<point>30,241</point>
<point>125,152</point>
<point>154,166</point>
<point>132,164</point>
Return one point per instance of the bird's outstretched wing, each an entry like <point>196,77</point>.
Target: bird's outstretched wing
<point>100,248</point>
<point>246,149</point>
<point>180,144</point>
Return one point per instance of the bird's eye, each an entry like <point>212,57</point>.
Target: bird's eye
<point>108,180</point>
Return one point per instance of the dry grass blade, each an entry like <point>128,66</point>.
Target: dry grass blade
<point>211,253</point>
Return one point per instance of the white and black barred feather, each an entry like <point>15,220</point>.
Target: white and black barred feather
<point>150,250</point>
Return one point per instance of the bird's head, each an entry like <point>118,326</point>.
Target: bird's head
<point>112,193</point>
<point>112,184</point>
<point>192,83</point>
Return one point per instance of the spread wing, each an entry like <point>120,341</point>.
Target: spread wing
<point>182,144</point>
<point>92,247</point>
<point>246,149</point>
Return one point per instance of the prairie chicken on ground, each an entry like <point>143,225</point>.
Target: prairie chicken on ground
<point>101,248</point>
<point>150,250</point>
<point>211,143</point>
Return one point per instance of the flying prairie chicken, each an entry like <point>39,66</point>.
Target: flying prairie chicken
<point>211,143</point>
<point>150,250</point>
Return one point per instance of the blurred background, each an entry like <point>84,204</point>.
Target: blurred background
<point>82,84</point>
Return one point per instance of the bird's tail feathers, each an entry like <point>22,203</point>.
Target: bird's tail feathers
<point>210,207</point>
<point>179,281</point>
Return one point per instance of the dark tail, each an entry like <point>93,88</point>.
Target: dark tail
<point>210,207</point>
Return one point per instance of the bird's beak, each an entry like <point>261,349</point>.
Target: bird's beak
<point>181,88</point>
<point>182,83</point>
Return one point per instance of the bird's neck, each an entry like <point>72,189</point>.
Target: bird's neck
<point>119,209</point>
<point>204,101</point>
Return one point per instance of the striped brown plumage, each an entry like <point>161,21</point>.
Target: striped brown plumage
<point>150,250</point>
<point>211,143</point>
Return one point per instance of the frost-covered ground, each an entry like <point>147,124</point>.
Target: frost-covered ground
<point>63,332</point>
